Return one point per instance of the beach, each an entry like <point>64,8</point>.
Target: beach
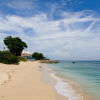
<point>24,82</point>
<point>33,80</point>
<point>65,88</point>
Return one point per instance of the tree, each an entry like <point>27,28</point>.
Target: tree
<point>38,56</point>
<point>15,45</point>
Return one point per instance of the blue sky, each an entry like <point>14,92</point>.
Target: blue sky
<point>61,29</point>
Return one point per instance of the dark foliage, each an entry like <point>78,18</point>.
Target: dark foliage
<point>15,45</point>
<point>21,58</point>
<point>38,56</point>
<point>7,57</point>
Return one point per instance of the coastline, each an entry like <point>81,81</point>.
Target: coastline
<point>25,82</point>
<point>65,87</point>
<point>34,80</point>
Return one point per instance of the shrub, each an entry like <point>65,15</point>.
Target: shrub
<point>7,57</point>
<point>21,58</point>
<point>38,56</point>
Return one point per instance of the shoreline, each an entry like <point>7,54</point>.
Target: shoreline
<point>50,80</point>
<point>33,77</point>
<point>25,82</point>
<point>67,84</point>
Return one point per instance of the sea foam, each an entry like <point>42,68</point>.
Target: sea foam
<point>65,89</point>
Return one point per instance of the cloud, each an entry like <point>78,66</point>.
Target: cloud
<point>71,3</point>
<point>74,36</point>
<point>21,4</point>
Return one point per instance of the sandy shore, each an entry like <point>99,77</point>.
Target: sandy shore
<point>24,82</point>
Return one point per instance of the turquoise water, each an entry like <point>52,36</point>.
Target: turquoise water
<point>85,73</point>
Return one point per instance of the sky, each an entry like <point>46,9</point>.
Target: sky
<point>60,29</point>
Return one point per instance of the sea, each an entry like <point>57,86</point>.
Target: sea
<point>78,81</point>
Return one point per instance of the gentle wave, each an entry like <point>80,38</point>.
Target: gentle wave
<point>65,89</point>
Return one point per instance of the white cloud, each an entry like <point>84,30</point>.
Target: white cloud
<point>72,37</point>
<point>71,3</point>
<point>21,4</point>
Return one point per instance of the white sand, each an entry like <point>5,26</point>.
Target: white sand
<point>24,82</point>
<point>3,77</point>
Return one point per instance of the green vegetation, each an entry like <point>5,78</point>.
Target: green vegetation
<point>38,56</point>
<point>15,45</point>
<point>21,58</point>
<point>7,57</point>
<point>13,55</point>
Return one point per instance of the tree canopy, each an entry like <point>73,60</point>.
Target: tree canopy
<point>15,45</point>
<point>38,56</point>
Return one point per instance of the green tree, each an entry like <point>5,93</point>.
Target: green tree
<point>38,56</point>
<point>15,45</point>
